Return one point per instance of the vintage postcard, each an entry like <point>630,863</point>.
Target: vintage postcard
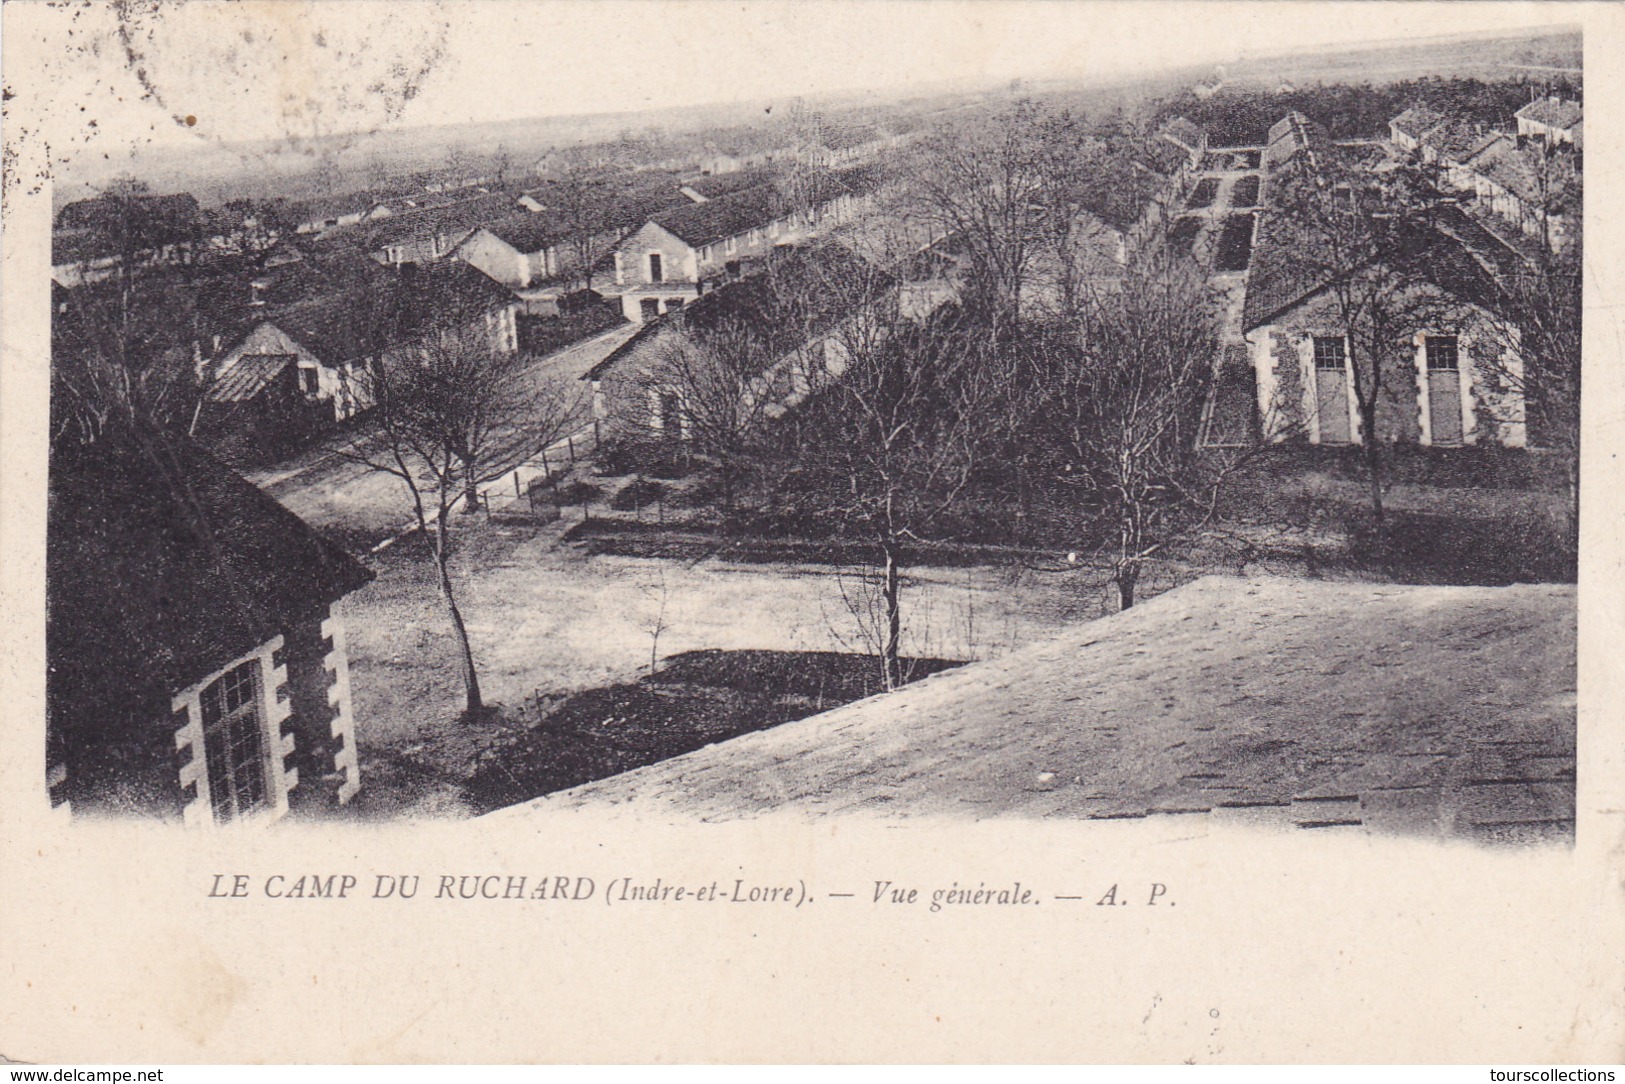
<point>594,531</point>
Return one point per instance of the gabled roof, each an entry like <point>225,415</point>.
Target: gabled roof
<point>173,211</point>
<point>859,180</point>
<point>713,185</point>
<point>336,328</point>
<point>1484,143</point>
<point>1552,112</point>
<point>1523,172</point>
<point>349,325</point>
<point>97,228</point>
<point>251,375</point>
<point>449,219</point>
<point>1281,276</point>
<point>1292,135</point>
<point>1418,120</point>
<point>164,565</point>
<point>727,216</point>
<point>530,232</point>
<point>847,136</point>
<point>797,293</point>
<point>1457,139</point>
<point>649,330</point>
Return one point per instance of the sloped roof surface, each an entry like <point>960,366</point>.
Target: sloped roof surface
<point>351,324</point>
<point>460,216</point>
<point>796,295</point>
<point>1283,271</point>
<point>721,184</point>
<point>164,565</point>
<point>1293,702</point>
<point>250,376</point>
<point>1553,112</point>
<point>726,216</point>
<point>173,210</point>
<point>530,231</point>
<point>1418,120</point>
<point>1456,139</point>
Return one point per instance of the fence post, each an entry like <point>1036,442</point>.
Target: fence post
<point>546,470</point>
<point>516,491</point>
<point>570,443</point>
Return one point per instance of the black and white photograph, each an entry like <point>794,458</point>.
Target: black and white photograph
<point>1057,418</point>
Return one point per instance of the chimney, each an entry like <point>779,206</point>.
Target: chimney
<point>256,293</point>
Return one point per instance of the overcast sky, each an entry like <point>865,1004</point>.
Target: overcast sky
<point>290,68</point>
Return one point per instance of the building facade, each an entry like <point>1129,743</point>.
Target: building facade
<point>198,669</point>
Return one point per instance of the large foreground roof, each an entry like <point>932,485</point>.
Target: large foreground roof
<point>1431,710</point>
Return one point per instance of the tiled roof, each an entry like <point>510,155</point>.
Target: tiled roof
<point>1457,139</point>
<point>1484,143</point>
<point>1523,172</point>
<point>448,220</point>
<point>721,184</point>
<point>1283,271</point>
<point>336,328</point>
<point>795,294</point>
<point>81,246</point>
<point>860,180</point>
<point>320,208</point>
<point>649,330</point>
<point>1164,156</point>
<point>173,210</point>
<point>851,135</point>
<point>164,566</point>
<point>727,216</point>
<point>352,324</point>
<point>1552,112</point>
<point>92,229</point>
<point>1113,719</point>
<point>1291,135</point>
<point>1418,120</point>
<point>251,375</point>
<point>530,231</point>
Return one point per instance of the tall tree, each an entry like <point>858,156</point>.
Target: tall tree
<point>889,447</point>
<point>444,408</point>
<point>715,378</point>
<point>1534,358</point>
<point>1124,383</point>
<point>982,184</point>
<point>1364,240</point>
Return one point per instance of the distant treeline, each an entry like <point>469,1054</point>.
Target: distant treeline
<point>1243,115</point>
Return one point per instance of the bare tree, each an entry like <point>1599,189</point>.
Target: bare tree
<point>1124,385</point>
<point>577,197</point>
<point>982,184</point>
<point>717,379</point>
<point>658,596</point>
<point>124,356</point>
<point>1535,358</point>
<point>492,401</point>
<point>889,447</point>
<point>502,163</point>
<point>254,227</point>
<point>126,351</point>
<point>445,409</point>
<point>1364,241</point>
